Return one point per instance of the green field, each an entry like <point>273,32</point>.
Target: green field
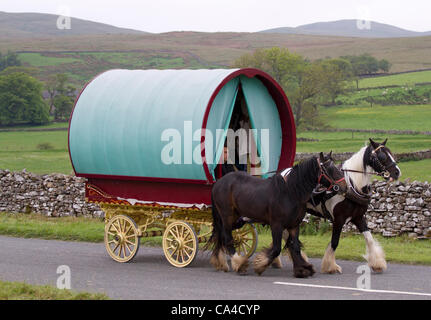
<point>403,79</point>
<point>404,117</point>
<point>352,142</point>
<point>83,66</point>
<point>39,60</point>
<point>19,150</point>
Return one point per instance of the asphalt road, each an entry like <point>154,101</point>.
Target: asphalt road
<point>150,276</point>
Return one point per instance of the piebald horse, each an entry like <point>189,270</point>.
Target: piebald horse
<point>377,159</point>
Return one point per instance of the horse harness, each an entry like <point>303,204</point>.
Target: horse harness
<point>384,172</point>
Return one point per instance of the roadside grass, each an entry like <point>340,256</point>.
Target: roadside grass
<point>52,228</point>
<point>403,117</point>
<point>396,79</point>
<point>24,291</point>
<point>352,247</point>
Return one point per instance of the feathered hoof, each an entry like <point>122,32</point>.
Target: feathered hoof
<point>304,271</point>
<point>260,263</point>
<point>276,264</point>
<point>331,269</point>
<point>219,262</point>
<point>239,264</point>
<point>379,267</point>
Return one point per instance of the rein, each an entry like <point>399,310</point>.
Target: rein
<point>384,174</point>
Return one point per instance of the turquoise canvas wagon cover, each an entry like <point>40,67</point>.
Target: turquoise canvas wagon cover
<point>126,126</point>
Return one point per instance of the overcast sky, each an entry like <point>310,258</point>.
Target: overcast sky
<point>231,15</point>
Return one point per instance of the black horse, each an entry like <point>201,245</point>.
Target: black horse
<point>279,201</point>
<point>375,158</point>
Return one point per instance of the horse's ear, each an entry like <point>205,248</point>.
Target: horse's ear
<point>330,154</point>
<point>322,158</point>
<point>384,142</point>
<point>373,144</point>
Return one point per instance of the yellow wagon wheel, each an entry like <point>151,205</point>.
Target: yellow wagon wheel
<point>180,244</point>
<point>245,240</point>
<point>122,238</point>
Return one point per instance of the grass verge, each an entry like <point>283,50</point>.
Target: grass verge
<point>352,247</point>
<point>24,291</point>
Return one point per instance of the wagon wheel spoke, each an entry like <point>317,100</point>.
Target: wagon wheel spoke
<point>128,229</point>
<point>171,232</point>
<point>130,242</point>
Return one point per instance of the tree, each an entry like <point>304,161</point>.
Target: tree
<point>9,60</point>
<point>335,77</point>
<point>21,100</point>
<point>63,107</point>
<point>306,84</point>
<point>61,96</point>
<point>365,64</point>
<point>384,65</point>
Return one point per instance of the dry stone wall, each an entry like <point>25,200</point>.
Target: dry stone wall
<point>395,208</point>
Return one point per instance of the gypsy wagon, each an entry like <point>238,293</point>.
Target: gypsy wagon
<point>121,139</point>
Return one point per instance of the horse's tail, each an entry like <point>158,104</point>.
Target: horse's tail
<point>217,237</point>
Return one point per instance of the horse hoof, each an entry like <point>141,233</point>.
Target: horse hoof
<point>260,263</point>
<point>276,264</point>
<point>332,269</point>
<point>378,269</point>
<point>239,264</point>
<point>304,271</point>
<point>310,267</point>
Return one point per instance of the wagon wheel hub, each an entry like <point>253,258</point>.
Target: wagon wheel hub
<point>120,238</point>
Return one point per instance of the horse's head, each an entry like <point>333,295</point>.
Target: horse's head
<point>331,177</point>
<point>380,158</point>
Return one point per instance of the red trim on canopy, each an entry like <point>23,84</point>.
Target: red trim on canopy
<point>288,128</point>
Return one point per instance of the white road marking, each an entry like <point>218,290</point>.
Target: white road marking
<point>353,289</point>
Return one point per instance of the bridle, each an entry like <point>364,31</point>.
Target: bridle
<point>333,184</point>
<point>384,172</point>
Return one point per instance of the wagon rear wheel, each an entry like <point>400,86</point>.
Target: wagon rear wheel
<point>122,238</point>
<point>245,240</point>
<point>180,244</point>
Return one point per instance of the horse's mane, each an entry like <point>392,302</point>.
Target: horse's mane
<point>301,181</point>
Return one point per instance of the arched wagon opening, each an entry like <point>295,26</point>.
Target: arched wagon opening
<point>156,136</point>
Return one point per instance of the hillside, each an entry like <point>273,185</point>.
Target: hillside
<point>349,28</point>
<point>90,48</point>
<point>26,25</point>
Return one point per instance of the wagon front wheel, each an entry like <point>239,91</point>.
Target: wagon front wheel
<point>121,238</point>
<point>180,244</point>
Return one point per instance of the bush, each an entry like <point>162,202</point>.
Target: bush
<point>44,146</point>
